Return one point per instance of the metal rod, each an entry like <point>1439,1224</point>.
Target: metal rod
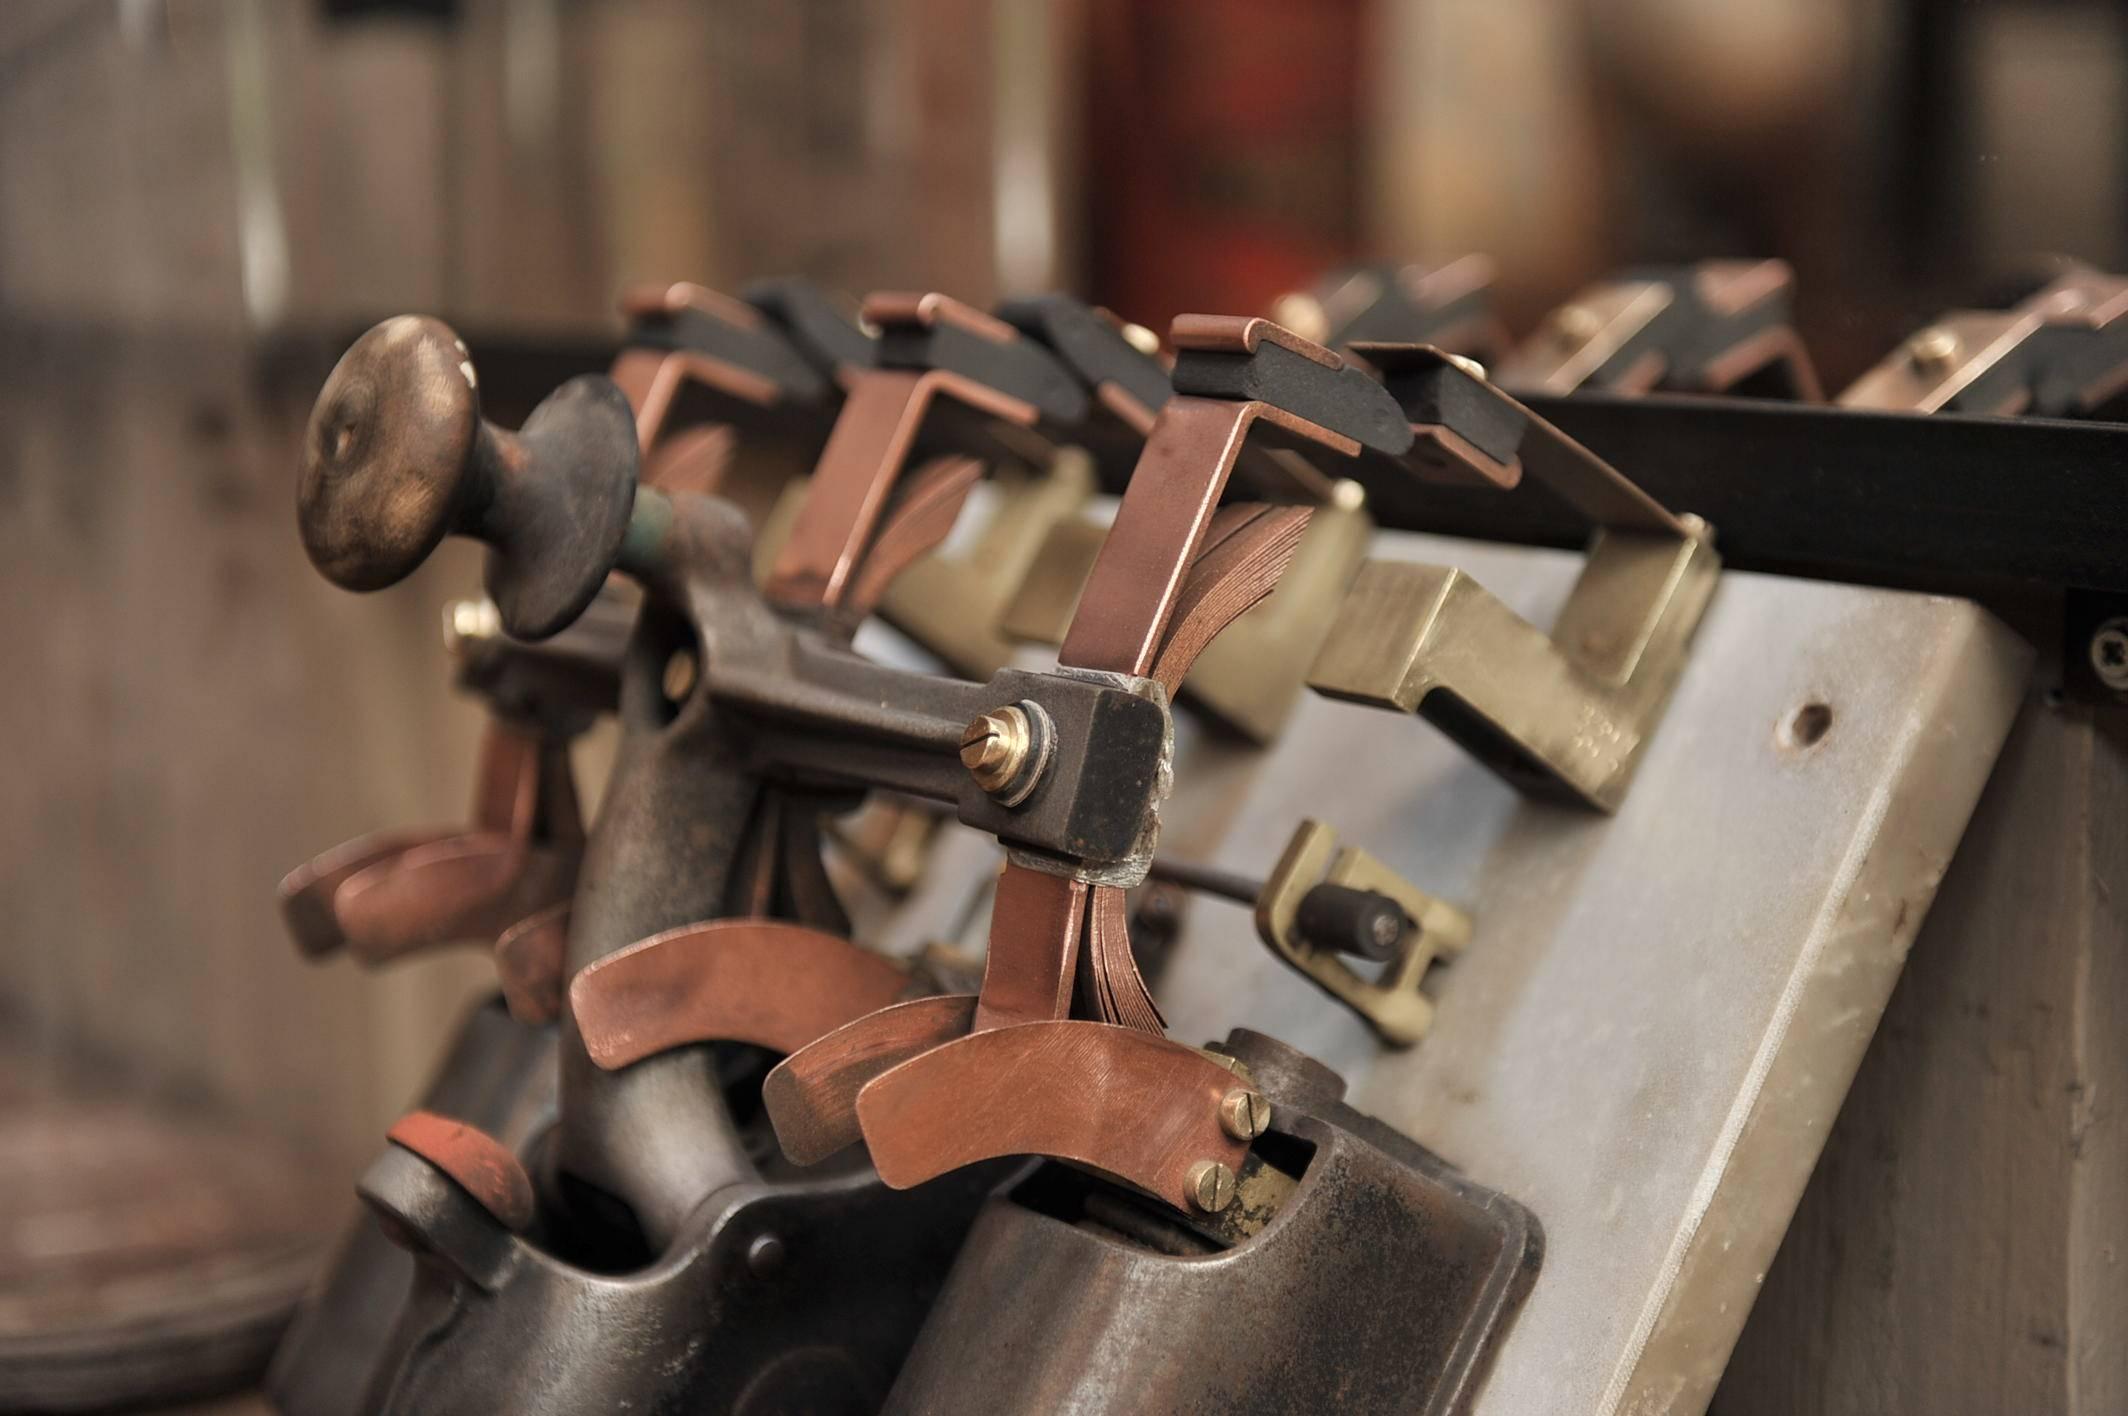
<point>1206,878</point>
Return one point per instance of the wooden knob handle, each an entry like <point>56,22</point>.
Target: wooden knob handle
<point>397,457</point>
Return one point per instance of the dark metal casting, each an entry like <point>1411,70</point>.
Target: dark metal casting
<point>1378,1283</point>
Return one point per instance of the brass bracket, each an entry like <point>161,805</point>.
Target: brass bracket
<point>1564,714</point>
<point>1715,327</point>
<point>2060,353</point>
<point>1395,1005</point>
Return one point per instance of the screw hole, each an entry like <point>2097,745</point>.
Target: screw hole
<point>1808,726</point>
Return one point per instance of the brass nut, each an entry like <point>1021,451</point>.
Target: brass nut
<point>1576,325</point>
<point>468,622</point>
<point>680,672</point>
<point>1211,1186</point>
<point>1303,314</point>
<point>1005,751</point>
<point>1933,349</point>
<point>1245,1114</point>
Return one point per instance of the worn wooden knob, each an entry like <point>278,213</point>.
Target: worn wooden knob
<point>397,457</point>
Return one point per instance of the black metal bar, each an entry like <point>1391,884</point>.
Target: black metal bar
<point>1937,501</point>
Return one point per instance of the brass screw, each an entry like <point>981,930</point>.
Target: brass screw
<point>469,621</point>
<point>1211,1186</point>
<point>680,671</point>
<point>1138,337</point>
<point>995,747</point>
<point>1469,365</point>
<point>1245,1114</point>
<point>1933,349</point>
<point>1576,325</point>
<point>1303,314</point>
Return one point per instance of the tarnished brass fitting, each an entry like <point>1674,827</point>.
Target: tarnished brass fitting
<point>1006,750</point>
<point>1211,1186</point>
<point>1245,1114</point>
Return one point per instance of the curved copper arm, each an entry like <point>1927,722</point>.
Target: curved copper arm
<point>864,456</point>
<point>759,981</point>
<point>307,892</point>
<point>811,1095</point>
<point>1136,580</point>
<point>390,893</point>
<point>531,959</point>
<point>470,887</point>
<point>1139,1108</point>
<point>476,1162</point>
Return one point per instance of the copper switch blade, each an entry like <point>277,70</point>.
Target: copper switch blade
<point>765,982</point>
<point>811,1095</point>
<point>470,887</point>
<point>1139,1108</point>
<point>1035,922</point>
<point>307,891</point>
<point>531,957</point>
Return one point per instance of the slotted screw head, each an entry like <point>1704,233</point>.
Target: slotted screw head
<point>1245,1114</point>
<point>995,746</point>
<point>1211,1186</point>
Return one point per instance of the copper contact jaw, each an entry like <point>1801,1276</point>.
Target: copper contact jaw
<point>1130,1105</point>
<point>764,982</point>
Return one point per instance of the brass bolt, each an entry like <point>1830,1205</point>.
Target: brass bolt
<point>995,747</point>
<point>1576,325</point>
<point>1469,365</point>
<point>1211,1186</point>
<point>1933,349</point>
<point>1303,314</point>
<point>1138,337</point>
<point>469,621</point>
<point>680,671</point>
<point>1245,1114</point>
